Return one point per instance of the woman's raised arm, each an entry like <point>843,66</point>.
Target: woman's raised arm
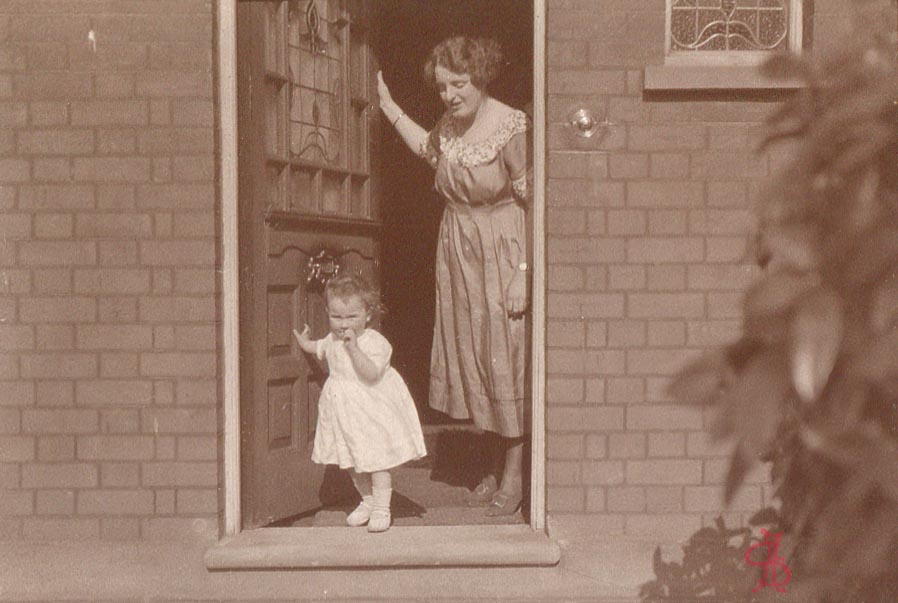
<point>413,134</point>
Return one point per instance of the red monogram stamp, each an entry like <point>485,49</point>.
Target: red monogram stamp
<point>769,574</point>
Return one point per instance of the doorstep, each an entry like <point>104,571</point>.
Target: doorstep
<point>344,547</point>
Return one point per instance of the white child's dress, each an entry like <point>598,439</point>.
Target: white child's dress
<point>369,427</point>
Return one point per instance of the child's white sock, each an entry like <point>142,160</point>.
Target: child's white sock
<point>361,513</point>
<point>379,519</point>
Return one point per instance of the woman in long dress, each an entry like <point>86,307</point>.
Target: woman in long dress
<point>481,150</point>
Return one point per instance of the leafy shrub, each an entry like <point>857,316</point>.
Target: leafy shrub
<point>812,384</point>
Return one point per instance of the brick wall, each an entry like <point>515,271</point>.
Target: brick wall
<point>649,232</point>
<point>107,269</point>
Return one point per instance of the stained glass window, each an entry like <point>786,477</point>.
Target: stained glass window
<point>700,28</point>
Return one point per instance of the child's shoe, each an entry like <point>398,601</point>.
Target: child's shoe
<point>361,514</point>
<point>379,519</point>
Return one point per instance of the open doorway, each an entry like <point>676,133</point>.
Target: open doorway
<point>323,183</point>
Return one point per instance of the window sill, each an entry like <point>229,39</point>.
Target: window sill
<point>440,546</point>
<point>711,77</point>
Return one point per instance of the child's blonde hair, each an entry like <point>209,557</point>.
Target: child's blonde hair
<point>346,285</point>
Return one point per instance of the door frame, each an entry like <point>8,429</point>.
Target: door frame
<point>226,62</point>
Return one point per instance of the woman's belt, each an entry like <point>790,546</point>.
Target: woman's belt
<point>486,207</point>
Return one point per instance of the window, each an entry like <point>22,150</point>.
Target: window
<point>718,43</point>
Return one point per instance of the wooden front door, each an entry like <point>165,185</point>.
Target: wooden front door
<point>309,206</point>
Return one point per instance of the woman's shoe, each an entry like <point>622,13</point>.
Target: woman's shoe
<point>484,492</point>
<point>504,503</point>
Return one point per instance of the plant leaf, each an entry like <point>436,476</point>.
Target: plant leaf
<point>816,336</point>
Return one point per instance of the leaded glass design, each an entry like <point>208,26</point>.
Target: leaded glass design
<point>729,25</point>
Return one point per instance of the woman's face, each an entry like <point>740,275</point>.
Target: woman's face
<point>458,93</point>
<point>347,314</point>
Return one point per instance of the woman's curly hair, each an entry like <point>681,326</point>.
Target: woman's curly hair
<point>347,285</point>
<point>479,58</point>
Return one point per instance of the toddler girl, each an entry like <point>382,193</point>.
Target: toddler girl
<point>367,419</point>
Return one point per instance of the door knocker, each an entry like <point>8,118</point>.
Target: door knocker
<point>322,267</point>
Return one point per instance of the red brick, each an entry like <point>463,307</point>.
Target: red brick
<point>115,85</point>
<point>577,164</point>
<point>113,393</point>
<point>624,222</point>
<point>665,250</point>
<point>107,57</point>
<point>180,474</point>
<point>109,113</point>
<point>14,281</point>
<point>57,253</point>
<point>16,337</point>
<point>120,475</point>
<point>667,222</point>
<point>566,221</point>
<point>118,310</point>
<point>725,305</point>
<point>163,281</point>
<point>596,277</point>
<point>9,368</point>
<point>172,364</point>
<point>58,309</point>
<point>666,305</point>
<point>626,445</point>
<point>722,222</point>
<point>55,393</point>
<point>112,169</point>
<point>51,281</point>
<point>562,81</point>
<point>663,417</point>
<point>666,277</point>
<point>733,165</point>
<point>55,142</point>
<point>197,501</point>
<point>118,364</point>
<point>626,277</point>
<point>595,500</point>
<point>667,444</point>
<point>584,193</point>
<point>173,84</point>
<point>177,309</point>
<point>628,165</point>
<point>699,444</point>
<point>180,57</point>
<point>59,421</point>
<point>565,334</point>
<point>56,197</point>
<point>624,390</point>
<point>198,392</point>
<point>53,226</point>
<point>55,502</point>
<point>178,421</point>
<point>664,499</point>
<point>56,169</point>
<point>595,391</point>
<point>16,449</point>
<point>564,391</point>
<point>585,305</point>
<point>165,502</point>
<point>58,365</point>
<point>193,168</point>
<point>561,499</point>
<point>666,333</point>
<point>17,393</point>
<point>727,194</point>
<point>560,278</point>
<point>626,499</point>
<point>109,337</point>
<point>596,334</point>
<point>56,448</point>
<point>596,446</point>
<point>197,448</point>
<point>665,194</point>
<point>575,419</point>
<point>664,472</point>
<point>666,138</point>
<point>59,475</point>
<point>117,253</point>
<point>565,447</point>
<point>727,250</point>
<point>176,140</point>
<point>52,85</point>
<point>14,170</point>
<point>669,166</point>
<point>562,473</point>
<point>119,421</point>
<point>112,281</point>
<point>49,113</point>
<point>166,449</point>
<point>115,502</point>
<point>195,337</point>
<point>714,333</point>
<point>13,115</point>
<point>602,473</point>
<point>626,333</point>
<point>656,362</point>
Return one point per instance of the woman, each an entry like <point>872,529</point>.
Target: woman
<point>481,151</point>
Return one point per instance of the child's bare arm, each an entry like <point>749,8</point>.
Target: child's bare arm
<point>305,343</point>
<point>366,369</point>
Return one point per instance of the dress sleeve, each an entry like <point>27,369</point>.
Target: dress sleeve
<point>430,148</point>
<point>518,157</point>
<point>322,345</point>
<point>376,347</point>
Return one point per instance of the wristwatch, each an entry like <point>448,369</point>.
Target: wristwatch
<point>523,266</point>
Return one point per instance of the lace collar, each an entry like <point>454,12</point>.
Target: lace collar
<point>484,151</point>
